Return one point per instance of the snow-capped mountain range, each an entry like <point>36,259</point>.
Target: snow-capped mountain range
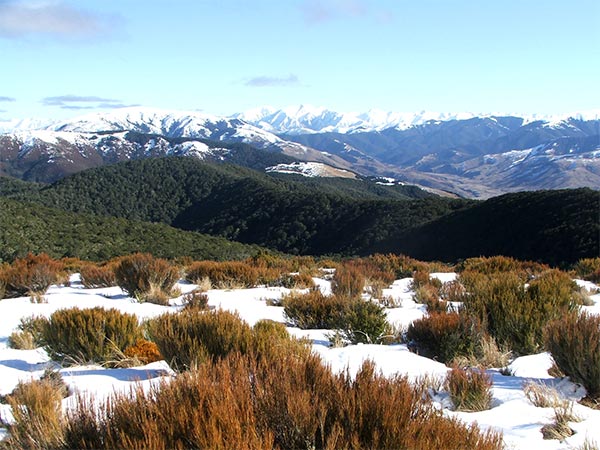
<point>472,155</point>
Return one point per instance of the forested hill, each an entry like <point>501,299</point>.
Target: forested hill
<point>28,227</point>
<point>311,216</point>
<point>556,227</point>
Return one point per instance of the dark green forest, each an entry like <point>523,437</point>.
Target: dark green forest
<point>296,215</point>
<point>28,227</point>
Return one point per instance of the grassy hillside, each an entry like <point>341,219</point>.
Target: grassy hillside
<point>551,226</point>
<point>32,228</point>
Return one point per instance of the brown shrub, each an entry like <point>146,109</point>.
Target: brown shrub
<point>315,310</point>
<point>444,336</point>
<point>420,279</point>
<point>296,281</point>
<point>588,269</point>
<point>31,275</point>
<point>502,264</point>
<point>574,342</point>
<point>195,299</point>
<point>146,278</point>
<point>282,402</point>
<point>469,389</point>
<point>144,351</point>
<point>348,281</point>
<point>36,408</point>
<point>98,276</point>
<point>224,275</point>
<point>426,293</point>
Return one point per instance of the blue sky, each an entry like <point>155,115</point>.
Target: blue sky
<point>64,58</point>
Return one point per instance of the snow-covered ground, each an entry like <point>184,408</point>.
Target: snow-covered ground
<point>511,413</point>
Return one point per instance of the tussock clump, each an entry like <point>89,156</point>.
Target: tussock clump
<point>98,276</point>
<point>469,389</point>
<point>574,342</point>
<point>90,335</point>
<point>146,278</point>
<point>31,276</point>
<point>542,395</point>
<point>193,336</point>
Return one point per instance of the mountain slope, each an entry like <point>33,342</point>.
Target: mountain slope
<point>554,227</point>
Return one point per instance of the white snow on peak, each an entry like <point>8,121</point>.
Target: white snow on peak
<point>309,169</point>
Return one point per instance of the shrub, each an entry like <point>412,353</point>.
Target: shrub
<point>144,352</point>
<point>36,409</point>
<point>296,281</point>
<point>588,269</point>
<point>574,342</point>
<point>31,275</point>
<point>98,276</point>
<point>146,278</point>
<point>365,322</point>
<point>426,293</point>
<point>513,314</point>
<point>284,402</point>
<point>501,264</point>
<point>192,336</point>
<point>271,339</point>
<point>195,299</point>
<point>348,281</point>
<point>469,389</point>
<point>90,335</point>
<point>223,275</point>
<point>444,336</point>
<point>315,310</point>
<point>420,279</point>
<point>30,333</point>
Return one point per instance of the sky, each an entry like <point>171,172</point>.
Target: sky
<point>60,59</point>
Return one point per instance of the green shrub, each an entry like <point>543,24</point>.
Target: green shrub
<point>574,342</point>
<point>146,278</point>
<point>348,281</point>
<point>365,322</point>
<point>31,275</point>
<point>445,336</point>
<point>315,310</point>
<point>271,339</point>
<point>296,281</point>
<point>192,336</point>
<point>469,389</point>
<point>90,335</point>
<point>513,314</point>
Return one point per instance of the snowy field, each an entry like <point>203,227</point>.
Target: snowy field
<point>512,413</point>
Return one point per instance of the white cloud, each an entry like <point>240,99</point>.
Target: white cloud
<point>21,19</point>
<point>266,81</point>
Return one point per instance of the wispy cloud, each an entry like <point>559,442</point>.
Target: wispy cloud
<point>77,102</point>
<point>266,81</point>
<point>318,12</point>
<point>7,99</point>
<point>54,19</point>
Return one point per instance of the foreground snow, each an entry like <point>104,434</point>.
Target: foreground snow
<point>512,413</point>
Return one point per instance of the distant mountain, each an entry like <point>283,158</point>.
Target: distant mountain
<point>463,154</point>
